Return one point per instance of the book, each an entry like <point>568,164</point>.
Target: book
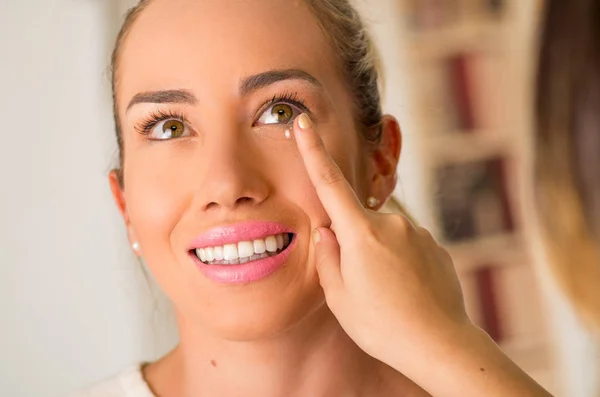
<point>473,199</point>
<point>460,83</point>
<point>487,288</point>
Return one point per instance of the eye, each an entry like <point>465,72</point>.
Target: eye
<point>279,113</point>
<point>168,129</point>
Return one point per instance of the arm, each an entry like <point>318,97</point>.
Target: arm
<point>466,363</point>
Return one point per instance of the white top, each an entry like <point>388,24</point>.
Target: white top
<point>129,383</point>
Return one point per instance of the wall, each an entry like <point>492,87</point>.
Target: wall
<point>73,303</point>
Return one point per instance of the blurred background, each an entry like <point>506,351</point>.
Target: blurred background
<point>75,304</point>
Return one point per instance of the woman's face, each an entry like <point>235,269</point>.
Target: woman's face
<point>203,117</point>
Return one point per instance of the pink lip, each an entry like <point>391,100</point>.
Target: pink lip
<point>246,272</point>
<point>232,234</point>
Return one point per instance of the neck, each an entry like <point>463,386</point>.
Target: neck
<point>315,358</point>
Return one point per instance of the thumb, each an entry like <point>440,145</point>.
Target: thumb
<point>327,256</point>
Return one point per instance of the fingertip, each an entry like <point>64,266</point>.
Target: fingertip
<point>316,236</point>
<point>302,125</point>
<point>323,234</point>
<point>304,122</point>
<point>327,254</point>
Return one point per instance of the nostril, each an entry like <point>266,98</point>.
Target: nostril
<point>239,202</point>
<point>244,200</point>
<point>211,205</point>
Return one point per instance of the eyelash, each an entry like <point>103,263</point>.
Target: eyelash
<point>291,98</point>
<point>149,122</point>
<point>146,126</point>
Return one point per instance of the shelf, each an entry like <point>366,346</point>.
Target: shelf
<point>531,354</point>
<point>499,250</point>
<point>463,147</point>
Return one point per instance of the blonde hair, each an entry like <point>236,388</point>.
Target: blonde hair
<point>567,163</point>
<point>358,57</point>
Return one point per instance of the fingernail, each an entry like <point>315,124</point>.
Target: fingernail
<point>316,236</point>
<point>304,121</point>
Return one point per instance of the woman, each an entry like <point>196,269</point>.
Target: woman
<point>283,282</point>
<point>567,146</point>
<point>567,160</point>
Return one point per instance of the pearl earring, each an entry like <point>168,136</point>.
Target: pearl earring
<point>372,202</point>
<point>135,246</point>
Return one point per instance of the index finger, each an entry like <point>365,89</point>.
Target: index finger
<point>334,191</point>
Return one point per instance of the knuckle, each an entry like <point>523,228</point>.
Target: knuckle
<point>315,147</point>
<point>421,231</point>
<point>322,263</point>
<point>371,233</point>
<point>403,224</point>
<point>331,176</point>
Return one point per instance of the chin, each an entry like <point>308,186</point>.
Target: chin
<point>261,315</point>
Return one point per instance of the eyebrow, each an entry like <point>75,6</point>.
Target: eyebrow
<point>264,79</point>
<point>165,96</point>
<point>248,85</point>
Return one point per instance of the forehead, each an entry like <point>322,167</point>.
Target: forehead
<point>215,43</point>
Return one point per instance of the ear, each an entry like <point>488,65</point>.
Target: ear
<point>384,161</point>
<point>118,193</point>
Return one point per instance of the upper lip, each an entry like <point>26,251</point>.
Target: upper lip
<point>234,233</point>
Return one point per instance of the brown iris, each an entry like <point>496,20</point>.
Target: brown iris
<point>174,128</point>
<point>283,112</point>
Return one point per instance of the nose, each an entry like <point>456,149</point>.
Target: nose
<point>233,177</point>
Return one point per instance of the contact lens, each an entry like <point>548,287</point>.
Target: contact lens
<point>289,130</point>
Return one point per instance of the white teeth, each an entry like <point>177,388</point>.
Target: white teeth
<point>259,246</point>
<point>271,244</point>
<point>209,254</point>
<point>218,252</point>
<point>245,249</point>
<point>200,253</point>
<point>230,252</point>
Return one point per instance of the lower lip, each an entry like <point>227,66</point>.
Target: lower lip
<point>246,272</point>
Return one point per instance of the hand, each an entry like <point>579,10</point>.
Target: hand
<point>386,281</point>
<point>396,293</point>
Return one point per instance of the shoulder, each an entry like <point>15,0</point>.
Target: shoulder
<point>129,383</point>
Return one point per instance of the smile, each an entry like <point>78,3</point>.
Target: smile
<point>244,251</point>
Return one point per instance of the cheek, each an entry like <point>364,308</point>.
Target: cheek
<point>157,190</point>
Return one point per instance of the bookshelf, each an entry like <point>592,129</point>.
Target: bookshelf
<point>464,63</point>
